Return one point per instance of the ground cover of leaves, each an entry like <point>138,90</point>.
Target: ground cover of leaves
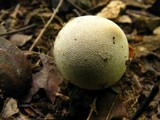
<point>52,98</point>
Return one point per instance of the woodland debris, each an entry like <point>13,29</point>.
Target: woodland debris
<point>112,10</point>
<point>10,108</point>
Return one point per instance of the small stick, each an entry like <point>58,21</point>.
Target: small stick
<point>37,53</point>
<point>46,25</point>
<point>77,7</point>
<point>21,29</point>
<point>99,5</point>
<point>93,107</point>
<point>76,11</point>
<point>111,108</point>
<point>150,97</point>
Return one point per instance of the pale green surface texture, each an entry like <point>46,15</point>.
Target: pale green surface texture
<point>91,52</point>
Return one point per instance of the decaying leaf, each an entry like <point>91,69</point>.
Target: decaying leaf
<point>112,10</point>
<point>15,12</point>
<point>22,117</point>
<point>109,106</point>
<point>131,51</point>
<point>143,33</point>
<point>154,117</point>
<point>20,39</point>
<point>139,3</point>
<point>10,108</point>
<point>151,63</point>
<point>124,19</point>
<point>2,29</point>
<point>32,14</point>
<point>143,20</point>
<point>48,78</point>
<point>134,37</point>
<point>49,117</point>
<point>30,112</point>
<point>157,31</point>
<point>119,111</point>
<point>149,44</point>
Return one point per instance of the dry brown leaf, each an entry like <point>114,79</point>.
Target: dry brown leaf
<point>54,79</point>
<point>20,39</point>
<point>22,117</point>
<point>2,29</point>
<point>32,14</point>
<point>48,78</point>
<point>15,12</point>
<point>151,63</point>
<point>112,10</point>
<point>157,31</point>
<point>139,3</point>
<point>119,111</point>
<point>143,20</point>
<point>49,117</point>
<point>131,51</point>
<point>149,44</point>
<point>109,106</point>
<point>30,112</point>
<point>154,117</point>
<point>124,19</point>
<point>10,108</point>
<point>135,38</point>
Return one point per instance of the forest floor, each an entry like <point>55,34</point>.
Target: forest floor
<point>32,25</point>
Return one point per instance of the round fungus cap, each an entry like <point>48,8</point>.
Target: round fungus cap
<point>91,52</point>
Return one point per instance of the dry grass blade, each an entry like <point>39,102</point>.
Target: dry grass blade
<point>46,25</point>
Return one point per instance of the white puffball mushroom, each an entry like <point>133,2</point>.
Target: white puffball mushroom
<point>91,52</point>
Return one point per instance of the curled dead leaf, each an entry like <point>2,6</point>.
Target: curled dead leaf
<point>112,10</point>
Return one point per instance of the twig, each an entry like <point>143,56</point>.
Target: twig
<point>93,107</point>
<point>64,97</point>
<point>99,5</point>
<point>150,97</point>
<point>46,25</point>
<point>111,108</point>
<point>77,7</point>
<point>21,29</point>
<point>76,11</point>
